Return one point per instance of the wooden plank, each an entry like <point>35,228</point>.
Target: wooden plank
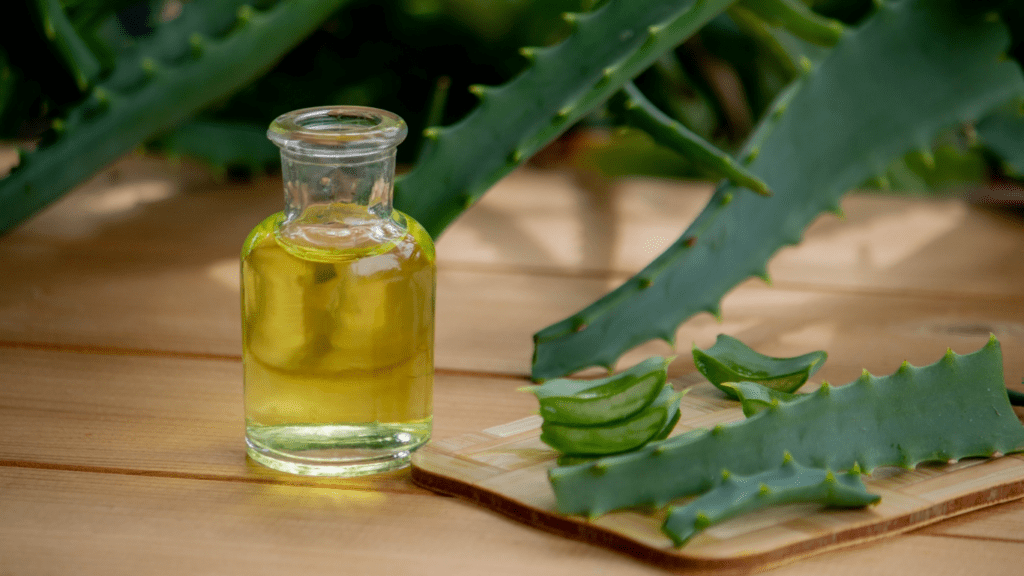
<point>485,321</point>
<point>1003,522</point>
<point>179,416</point>
<point>505,469</point>
<point>552,221</point>
<point>64,522</point>
<point>107,267</point>
<point>914,555</point>
<point>59,522</point>
<point>537,220</point>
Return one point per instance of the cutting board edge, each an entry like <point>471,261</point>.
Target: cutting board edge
<point>678,561</point>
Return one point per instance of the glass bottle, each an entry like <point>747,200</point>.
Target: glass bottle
<point>337,304</point>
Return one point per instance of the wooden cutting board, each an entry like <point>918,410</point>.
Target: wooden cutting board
<point>504,468</point>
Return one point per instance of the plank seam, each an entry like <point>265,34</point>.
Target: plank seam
<point>153,353</point>
<point>622,275</point>
<point>167,474</point>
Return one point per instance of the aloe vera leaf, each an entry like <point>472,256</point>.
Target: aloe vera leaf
<point>730,360</point>
<point>798,19</point>
<point>615,437</point>
<point>1002,132</point>
<point>79,59</point>
<point>590,402</point>
<point>670,425</point>
<point>221,144</point>
<point>173,74</point>
<point>785,61</point>
<point>955,408</point>
<point>914,68</point>
<point>790,483</point>
<point>755,397</point>
<point>606,49</point>
<point>634,109</point>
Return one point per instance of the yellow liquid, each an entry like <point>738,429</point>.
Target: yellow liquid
<point>337,344</point>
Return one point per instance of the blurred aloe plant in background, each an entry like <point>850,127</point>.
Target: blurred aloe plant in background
<point>790,103</point>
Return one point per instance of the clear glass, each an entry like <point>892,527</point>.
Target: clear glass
<point>337,304</point>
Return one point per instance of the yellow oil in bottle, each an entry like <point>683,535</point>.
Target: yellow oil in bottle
<point>337,341</point>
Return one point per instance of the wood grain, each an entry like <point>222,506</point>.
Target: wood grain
<point>85,523</point>
<point>504,468</point>
<point>178,416</point>
<point>120,384</point>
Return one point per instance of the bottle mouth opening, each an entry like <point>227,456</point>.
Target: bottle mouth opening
<point>344,129</point>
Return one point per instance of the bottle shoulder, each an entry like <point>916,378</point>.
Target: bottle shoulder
<point>333,242</point>
<point>417,232</point>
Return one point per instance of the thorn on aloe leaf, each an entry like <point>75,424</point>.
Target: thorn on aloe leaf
<point>716,313</point>
<point>196,44</point>
<point>478,90</point>
<point>149,67</point>
<point>578,324</point>
<point>927,158</point>
<point>245,14</point>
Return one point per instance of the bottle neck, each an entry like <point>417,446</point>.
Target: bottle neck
<point>338,164</point>
<point>321,187</point>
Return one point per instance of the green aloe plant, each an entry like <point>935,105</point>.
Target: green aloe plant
<point>859,98</point>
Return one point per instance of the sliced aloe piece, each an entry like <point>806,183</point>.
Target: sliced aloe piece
<point>592,402</point>
<point>571,459</point>
<point>730,360</point>
<point>619,436</point>
<point>755,397</point>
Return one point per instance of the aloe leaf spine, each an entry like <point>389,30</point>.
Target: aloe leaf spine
<point>171,76</point>
<point>79,59</point>
<point>606,48</point>
<point>798,19</point>
<point>636,110</point>
<point>955,408</point>
<point>941,67</point>
<point>790,483</point>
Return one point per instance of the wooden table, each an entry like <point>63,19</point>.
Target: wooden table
<point>121,428</point>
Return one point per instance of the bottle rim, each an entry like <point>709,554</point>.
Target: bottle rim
<point>344,129</point>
